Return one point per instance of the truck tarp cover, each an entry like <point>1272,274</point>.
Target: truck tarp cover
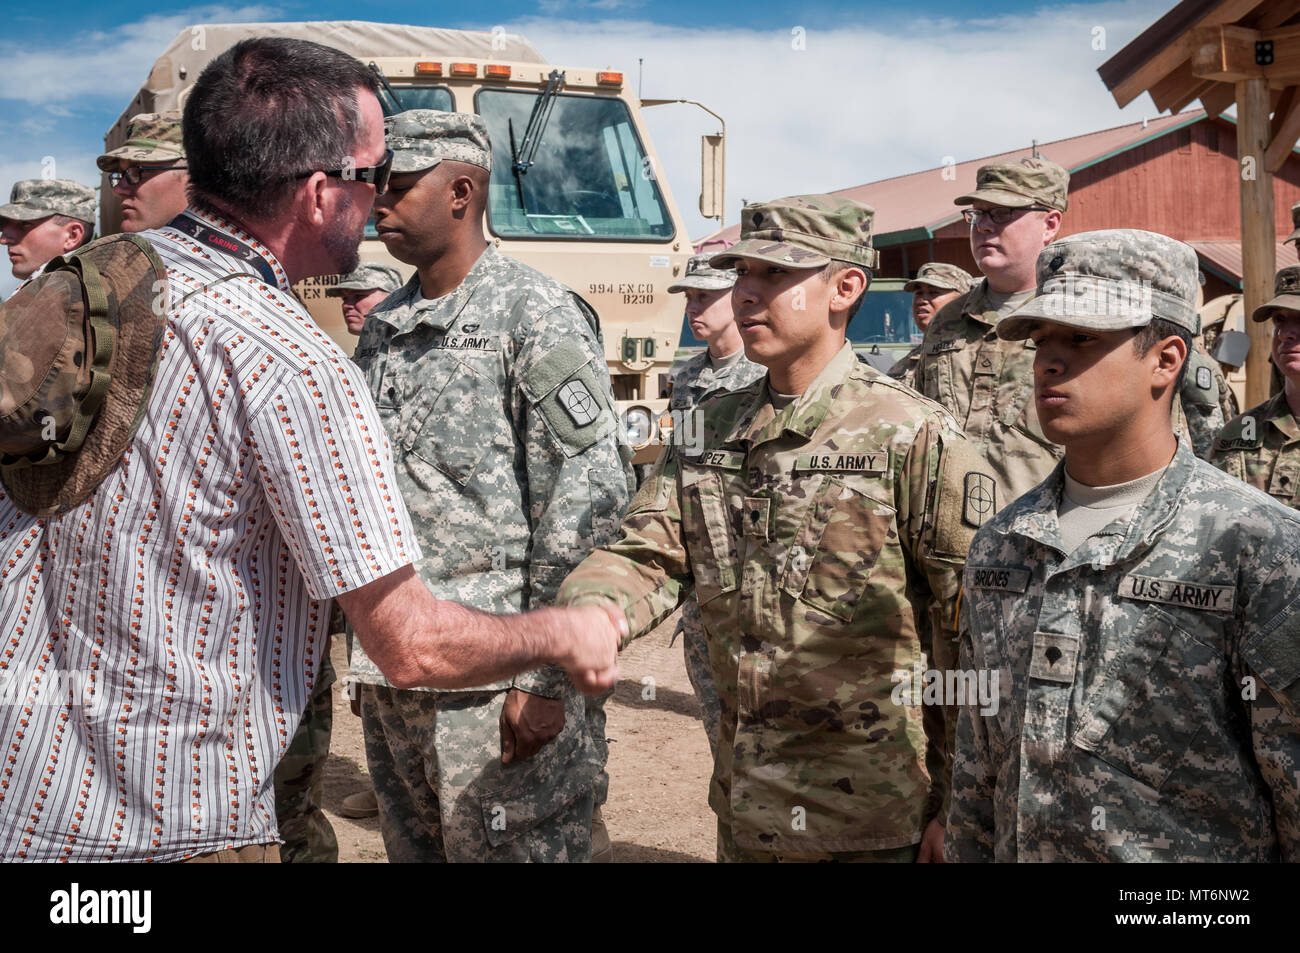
<point>363,40</point>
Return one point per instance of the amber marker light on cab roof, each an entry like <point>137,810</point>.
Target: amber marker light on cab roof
<point>427,68</point>
<point>496,71</point>
<point>464,69</point>
<point>609,79</point>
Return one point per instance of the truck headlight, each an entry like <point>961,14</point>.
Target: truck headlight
<point>638,427</point>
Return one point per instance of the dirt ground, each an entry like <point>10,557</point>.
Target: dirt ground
<point>659,763</point>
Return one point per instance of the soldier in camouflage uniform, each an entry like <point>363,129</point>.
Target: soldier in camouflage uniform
<point>148,172</point>
<point>935,284</point>
<point>45,218</point>
<point>722,366</point>
<point>1199,410</point>
<point>490,378</point>
<point>362,289</point>
<point>822,525</point>
<point>1138,610</point>
<point>1262,446</point>
<point>986,382</point>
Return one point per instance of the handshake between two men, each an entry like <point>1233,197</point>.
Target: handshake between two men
<point>419,640</point>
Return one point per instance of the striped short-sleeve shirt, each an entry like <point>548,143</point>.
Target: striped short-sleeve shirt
<point>159,641</point>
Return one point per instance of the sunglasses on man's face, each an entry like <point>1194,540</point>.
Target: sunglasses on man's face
<point>133,175</point>
<point>376,175</point>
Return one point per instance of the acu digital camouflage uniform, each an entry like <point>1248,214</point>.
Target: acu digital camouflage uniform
<point>34,199</point>
<point>499,410</point>
<point>985,382</point>
<point>935,274</point>
<point>695,380</point>
<point>1147,681</point>
<point>1199,410</point>
<point>300,780</point>
<point>1262,446</point>
<point>823,542</point>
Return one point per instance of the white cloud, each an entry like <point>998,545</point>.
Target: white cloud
<point>103,64</point>
<point>858,103</point>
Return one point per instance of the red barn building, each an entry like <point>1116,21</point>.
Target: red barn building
<point>1177,175</point>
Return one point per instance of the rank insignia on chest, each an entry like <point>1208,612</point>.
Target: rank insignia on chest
<point>980,500</point>
<point>871,461</point>
<point>1178,592</point>
<point>943,347</point>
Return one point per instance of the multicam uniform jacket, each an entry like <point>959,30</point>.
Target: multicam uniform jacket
<point>1147,682</point>
<point>823,541</point>
<point>1262,448</point>
<point>988,385</point>
<point>498,406</point>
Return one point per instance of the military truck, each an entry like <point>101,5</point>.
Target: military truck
<point>575,190</point>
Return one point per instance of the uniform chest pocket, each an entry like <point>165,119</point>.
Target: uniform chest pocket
<point>1147,705</point>
<point>837,547</point>
<point>463,421</point>
<point>710,535</point>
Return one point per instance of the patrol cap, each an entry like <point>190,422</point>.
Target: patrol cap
<point>700,275</point>
<point>368,276</point>
<point>421,138</point>
<point>940,274</point>
<point>1108,280</point>
<point>1017,183</point>
<point>803,231</point>
<point>150,138</point>
<point>1286,294</point>
<point>40,198</point>
<point>1295,222</point>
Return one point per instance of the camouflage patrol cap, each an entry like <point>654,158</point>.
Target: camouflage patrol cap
<point>421,138</point>
<point>700,275</point>
<point>1017,183</point>
<point>803,231</point>
<point>1108,280</point>
<point>1295,222</point>
<point>150,138</point>
<point>32,199</point>
<point>1286,294</point>
<point>368,276</point>
<point>940,274</point>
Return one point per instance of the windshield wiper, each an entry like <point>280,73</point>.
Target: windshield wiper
<point>387,88</point>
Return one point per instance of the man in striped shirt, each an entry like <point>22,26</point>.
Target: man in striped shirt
<point>161,639</point>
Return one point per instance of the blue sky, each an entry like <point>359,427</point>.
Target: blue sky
<point>878,89</point>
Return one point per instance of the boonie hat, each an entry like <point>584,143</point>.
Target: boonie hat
<point>421,138</point>
<point>1111,279</point>
<point>803,231</point>
<point>1016,183</point>
<point>150,138</point>
<point>31,199</point>
<point>700,275</point>
<point>1286,294</point>
<point>78,351</point>
<point>940,274</point>
<point>368,276</point>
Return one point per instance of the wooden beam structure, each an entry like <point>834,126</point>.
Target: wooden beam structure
<point>1258,241</point>
<point>1223,52</point>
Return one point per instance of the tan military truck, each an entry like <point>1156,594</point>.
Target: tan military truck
<point>574,190</point>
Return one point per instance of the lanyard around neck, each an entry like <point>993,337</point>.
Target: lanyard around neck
<point>226,243</point>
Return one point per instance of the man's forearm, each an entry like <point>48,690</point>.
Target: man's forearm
<point>417,640</point>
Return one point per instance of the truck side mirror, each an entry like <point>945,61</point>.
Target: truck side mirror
<point>713,176</point>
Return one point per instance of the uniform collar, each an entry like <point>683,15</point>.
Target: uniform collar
<point>1278,413</point>
<point>405,309</point>
<point>759,421</point>
<point>977,306</point>
<point>1037,516</point>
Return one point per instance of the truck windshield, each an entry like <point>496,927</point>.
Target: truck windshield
<point>416,97</point>
<point>590,179</point>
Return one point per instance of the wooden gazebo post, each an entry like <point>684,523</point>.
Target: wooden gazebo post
<point>1221,52</point>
